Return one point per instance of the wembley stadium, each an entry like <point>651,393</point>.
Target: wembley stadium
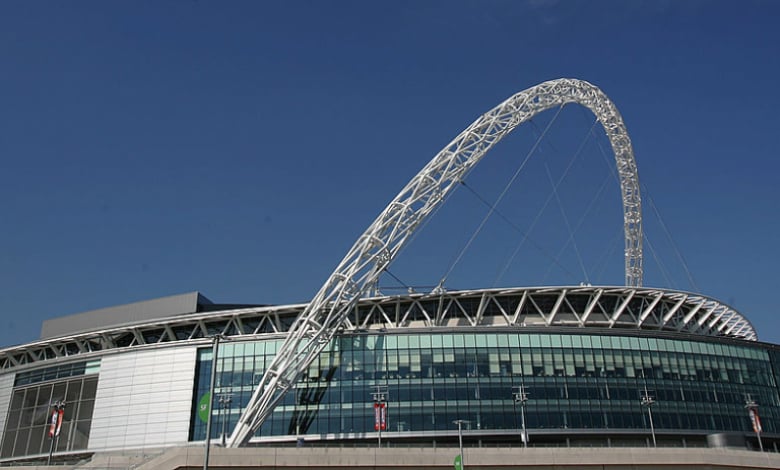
<point>510,370</point>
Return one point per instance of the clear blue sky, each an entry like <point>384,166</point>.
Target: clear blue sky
<point>239,148</point>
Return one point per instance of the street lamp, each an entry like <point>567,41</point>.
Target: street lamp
<point>648,401</point>
<point>214,356</point>
<point>55,425</point>
<point>224,401</point>
<point>752,408</point>
<point>380,410</point>
<point>520,396</point>
<point>460,423</point>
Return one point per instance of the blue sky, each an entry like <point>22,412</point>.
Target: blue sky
<point>239,148</point>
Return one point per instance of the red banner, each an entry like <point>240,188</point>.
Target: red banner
<point>53,425</point>
<point>60,415</point>
<point>756,420</point>
<point>380,416</point>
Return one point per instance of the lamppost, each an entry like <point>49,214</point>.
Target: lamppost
<point>520,396</point>
<point>224,403</point>
<point>752,408</point>
<point>460,423</point>
<point>55,425</point>
<point>648,401</point>
<point>214,356</point>
<point>380,410</point>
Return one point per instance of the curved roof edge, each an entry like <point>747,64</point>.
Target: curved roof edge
<point>614,307</point>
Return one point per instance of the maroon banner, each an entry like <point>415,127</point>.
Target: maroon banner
<point>756,420</point>
<point>53,425</point>
<point>380,417</point>
<point>60,415</point>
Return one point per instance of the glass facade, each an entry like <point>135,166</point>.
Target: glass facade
<point>576,384</point>
<point>34,393</point>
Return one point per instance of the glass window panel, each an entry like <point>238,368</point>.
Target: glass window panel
<point>8,443</point>
<point>35,446</point>
<point>22,436</point>
<point>44,396</point>
<point>58,393</point>
<point>92,367</point>
<point>89,388</point>
<point>17,400</point>
<point>458,341</point>
<point>415,363</point>
<point>495,365</point>
<point>12,421</point>
<point>517,367</point>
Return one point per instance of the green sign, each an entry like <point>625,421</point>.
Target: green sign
<point>203,407</point>
<point>458,463</point>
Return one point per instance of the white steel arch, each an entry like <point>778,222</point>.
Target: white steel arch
<point>377,247</point>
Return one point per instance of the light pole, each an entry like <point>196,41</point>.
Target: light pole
<point>380,411</point>
<point>460,423</point>
<point>752,408</point>
<point>648,401</point>
<point>224,403</point>
<point>214,356</point>
<point>520,396</point>
<point>55,426</point>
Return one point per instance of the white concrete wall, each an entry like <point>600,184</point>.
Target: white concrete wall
<point>6,389</point>
<point>144,399</point>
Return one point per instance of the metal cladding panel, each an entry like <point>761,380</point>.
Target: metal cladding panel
<point>122,314</point>
<point>139,399</point>
<point>6,388</point>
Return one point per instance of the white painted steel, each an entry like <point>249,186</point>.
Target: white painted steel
<point>378,246</point>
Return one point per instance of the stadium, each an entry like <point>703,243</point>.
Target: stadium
<point>510,370</point>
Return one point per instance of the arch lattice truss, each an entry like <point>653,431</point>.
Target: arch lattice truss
<point>377,247</point>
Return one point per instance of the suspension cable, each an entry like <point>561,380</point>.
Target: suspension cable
<point>406,286</point>
<point>669,236</point>
<point>522,241</point>
<point>566,221</point>
<point>519,229</point>
<point>661,267</point>
<point>580,222</point>
<point>498,200</point>
<point>601,264</point>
